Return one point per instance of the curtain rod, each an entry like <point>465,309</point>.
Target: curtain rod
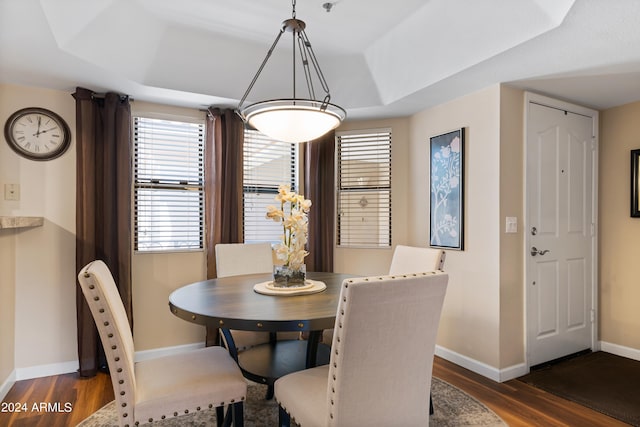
<point>102,95</point>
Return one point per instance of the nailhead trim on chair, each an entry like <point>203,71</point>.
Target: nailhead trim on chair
<point>106,323</point>
<point>338,340</point>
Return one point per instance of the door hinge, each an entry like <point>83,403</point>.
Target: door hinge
<point>593,315</point>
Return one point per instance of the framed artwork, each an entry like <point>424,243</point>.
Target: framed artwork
<point>446,159</point>
<point>635,181</point>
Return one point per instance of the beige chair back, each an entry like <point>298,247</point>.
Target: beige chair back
<point>233,259</point>
<point>382,351</point>
<point>106,306</point>
<point>411,259</point>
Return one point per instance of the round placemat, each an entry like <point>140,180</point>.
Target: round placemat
<point>310,287</point>
<point>308,284</point>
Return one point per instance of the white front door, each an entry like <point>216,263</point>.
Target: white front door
<point>560,234</point>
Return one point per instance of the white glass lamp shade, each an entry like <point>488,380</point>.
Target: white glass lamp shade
<point>293,120</point>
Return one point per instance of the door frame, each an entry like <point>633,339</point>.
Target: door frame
<point>534,98</point>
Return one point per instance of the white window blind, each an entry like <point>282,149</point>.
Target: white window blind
<point>267,164</point>
<point>364,188</point>
<point>168,185</point>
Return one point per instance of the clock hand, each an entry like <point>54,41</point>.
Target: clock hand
<point>37,134</point>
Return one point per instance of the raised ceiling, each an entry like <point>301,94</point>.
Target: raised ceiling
<point>381,59</point>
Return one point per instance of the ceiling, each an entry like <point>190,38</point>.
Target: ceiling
<point>380,59</point>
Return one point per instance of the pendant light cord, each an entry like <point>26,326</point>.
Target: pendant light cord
<point>307,55</point>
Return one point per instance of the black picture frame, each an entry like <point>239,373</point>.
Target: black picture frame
<point>446,190</point>
<point>635,182</point>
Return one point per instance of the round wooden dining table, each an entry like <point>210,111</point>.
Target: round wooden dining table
<point>232,303</point>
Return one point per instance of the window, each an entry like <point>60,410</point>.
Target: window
<point>168,185</point>
<point>364,188</point>
<point>267,164</point>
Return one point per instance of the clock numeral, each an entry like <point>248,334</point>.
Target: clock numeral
<point>22,138</point>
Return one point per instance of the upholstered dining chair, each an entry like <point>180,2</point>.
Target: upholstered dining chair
<point>233,259</point>
<point>407,259</point>
<point>164,387</point>
<point>411,259</point>
<point>369,384</point>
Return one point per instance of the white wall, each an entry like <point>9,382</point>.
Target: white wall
<point>7,309</point>
<point>470,319</point>
<point>43,277</point>
<point>482,320</point>
<point>619,233</point>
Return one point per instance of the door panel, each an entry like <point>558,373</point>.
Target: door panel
<point>546,289</point>
<point>577,294</point>
<point>560,280</point>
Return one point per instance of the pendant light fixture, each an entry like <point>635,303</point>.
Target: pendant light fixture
<point>294,119</point>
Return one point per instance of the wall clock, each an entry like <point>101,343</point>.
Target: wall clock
<point>37,133</point>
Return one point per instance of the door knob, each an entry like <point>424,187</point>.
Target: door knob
<point>535,251</point>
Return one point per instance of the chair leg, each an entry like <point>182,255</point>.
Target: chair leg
<point>238,414</point>
<point>234,416</point>
<point>269,395</point>
<point>220,419</point>
<point>284,419</point>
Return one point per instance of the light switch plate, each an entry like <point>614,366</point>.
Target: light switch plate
<point>511,224</point>
<point>12,192</point>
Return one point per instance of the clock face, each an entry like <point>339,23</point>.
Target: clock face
<point>37,133</point>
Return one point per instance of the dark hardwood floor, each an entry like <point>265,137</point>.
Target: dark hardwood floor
<point>520,404</point>
<point>71,399</point>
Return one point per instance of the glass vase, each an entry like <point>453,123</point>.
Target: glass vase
<point>287,277</point>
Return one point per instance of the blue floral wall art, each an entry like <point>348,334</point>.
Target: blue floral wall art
<point>447,166</point>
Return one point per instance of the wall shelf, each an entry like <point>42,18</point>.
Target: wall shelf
<point>20,221</point>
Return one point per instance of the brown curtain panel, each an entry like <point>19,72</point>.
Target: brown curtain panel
<point>223,187</point>
<point>103,206</point>
<point>319,184</point>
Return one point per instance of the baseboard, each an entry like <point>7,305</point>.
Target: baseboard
<point>495,374</point>
<point>515,371</point>
<point>38,371</point>
<point>46,370</point>
<point>619,350</point>
<point>7,384</point>
<point>165,351</point>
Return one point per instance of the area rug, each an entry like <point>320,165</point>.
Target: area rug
<point>601,381</point>
<point>452,407</point>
